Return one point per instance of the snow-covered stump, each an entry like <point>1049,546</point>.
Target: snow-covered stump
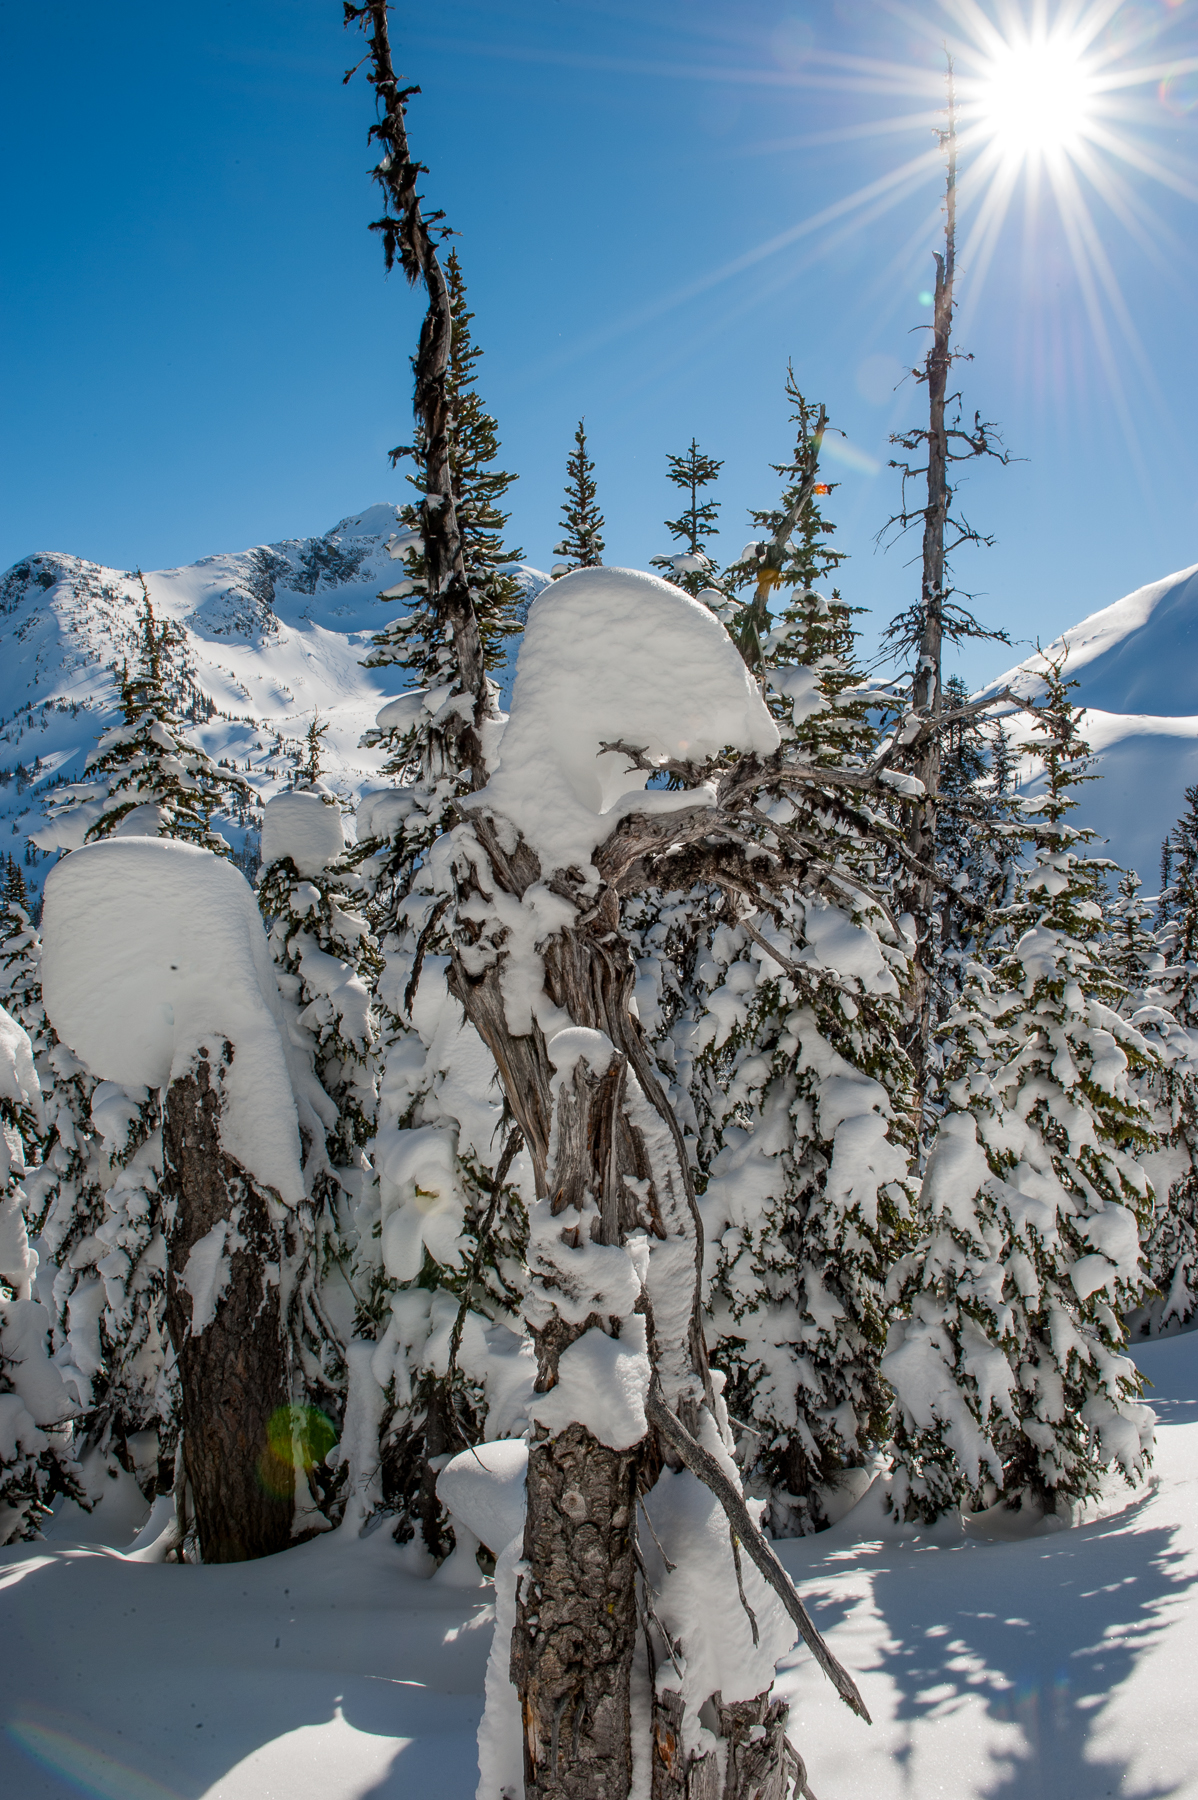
<point>639,1664</point>
<point>233,1378</point>
<point>157,974</point>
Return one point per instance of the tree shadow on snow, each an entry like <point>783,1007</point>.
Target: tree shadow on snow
<point>1043,1631</point>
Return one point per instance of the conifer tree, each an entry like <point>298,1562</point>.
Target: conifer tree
<point>146,777</point>
<point>938,616</point>
<point>1009,1369</point>
<point>690,566</point>
<point>582,545</point>
<point>795,552</point>
<point>97,1197</point>
<point>1171,1007</point>
<point>311,895</point>
<point>808,1188</point>
<point>36,1460</point>
<point>419,1361</point>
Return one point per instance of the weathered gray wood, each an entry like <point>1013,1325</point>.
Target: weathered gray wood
<point>576,1607</point>
<point>233,1375</point>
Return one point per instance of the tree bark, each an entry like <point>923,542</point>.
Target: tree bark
<point>233,1374</point>
<point>576,1604</point>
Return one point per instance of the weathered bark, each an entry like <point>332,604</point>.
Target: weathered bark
<point>575,1633</point>
<point>760,1761</point>
<point>233,1374</point>
<point>576,1606</point>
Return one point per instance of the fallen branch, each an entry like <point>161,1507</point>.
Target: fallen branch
<point>702,1464</point>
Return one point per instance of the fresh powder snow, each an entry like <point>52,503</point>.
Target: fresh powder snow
<point>993,1665</point>
<point>155,949</point>
<point>685,695</point>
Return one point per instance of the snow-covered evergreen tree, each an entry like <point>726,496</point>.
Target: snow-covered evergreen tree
<point>781,1023</point>
<point>327,961</point>
<point>36,1460</point>
<point>1009,1368</point>
<point>1169,1014</point>
<point>95,1201</point>
<point>91,1206</point>
<point>689,566</point>
<point>146,777</point>
<point>437,1264</point>
<point>582,545</point>
<point>803,556</point>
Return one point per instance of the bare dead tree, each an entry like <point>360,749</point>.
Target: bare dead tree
<point>922,629</point>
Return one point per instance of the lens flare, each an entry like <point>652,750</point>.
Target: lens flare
<point>88,1767</point>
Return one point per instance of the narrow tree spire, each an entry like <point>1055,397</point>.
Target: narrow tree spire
<point>689,565</point>
<point>581,546</point>
<point>406,231</point>
<point>922,629</point>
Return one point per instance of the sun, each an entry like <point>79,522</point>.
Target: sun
<point>1036,98</point>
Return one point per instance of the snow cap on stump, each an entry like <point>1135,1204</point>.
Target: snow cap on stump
<point>305,827</point>
<point>154,949</point>
<point>607,655</point>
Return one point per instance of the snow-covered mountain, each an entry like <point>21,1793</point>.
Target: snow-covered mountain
<point>1136,666</point>
<point>270,635</point>
<point>276,632</point>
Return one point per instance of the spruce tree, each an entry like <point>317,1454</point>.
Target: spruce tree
<point>581,545</point>
<point>146,777</point>
<point>690,566</point>
<point>424,1338</point>
<point>794,553</point>
<point>784,1025</point>
<point>1010,1368</point>
<point>1171,1006</point>
<point>311,895</point>
<point>36,1460</point>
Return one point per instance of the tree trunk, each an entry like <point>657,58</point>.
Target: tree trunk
<point>926,695</point>
<point>589,1136</point>
<point>236,1416</point>
<point>575,1632</point>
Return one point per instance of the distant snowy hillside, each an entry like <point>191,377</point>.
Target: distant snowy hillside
<point>271,634</point>
<point>1136,665</point>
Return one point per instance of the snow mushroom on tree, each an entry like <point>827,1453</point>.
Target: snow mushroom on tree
<point>626,1410</point>
<point>184,1001</point>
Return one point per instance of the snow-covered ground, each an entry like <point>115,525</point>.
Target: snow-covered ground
<point>1053,1667</point>
<point>270,636</point>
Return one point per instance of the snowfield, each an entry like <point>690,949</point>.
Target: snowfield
<point>1136,668</point>
<point>1055,1665</point>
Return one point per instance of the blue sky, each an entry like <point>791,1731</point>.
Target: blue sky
<point>201,350</point>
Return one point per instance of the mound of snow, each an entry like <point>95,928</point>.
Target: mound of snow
<point>154,949</point>
<point>613,654</point>
<point>305,827</point>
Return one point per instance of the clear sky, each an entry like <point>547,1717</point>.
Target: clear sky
<point>656,208</point>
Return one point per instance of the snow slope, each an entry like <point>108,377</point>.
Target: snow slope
<point>270,634</point>
<point>1056,1667</point>
<point>1136,665</point>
